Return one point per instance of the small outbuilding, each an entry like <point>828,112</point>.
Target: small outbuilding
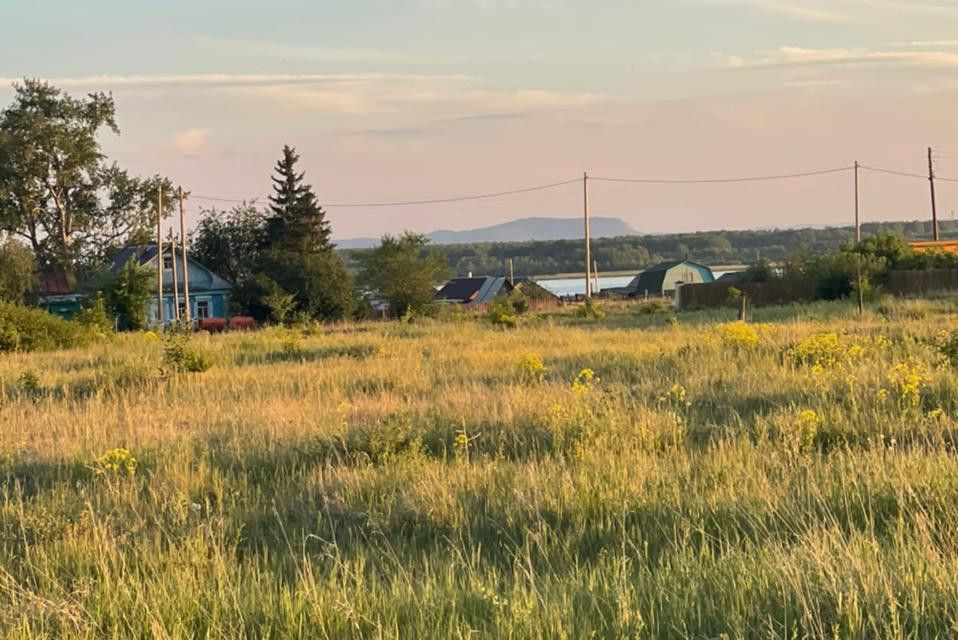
<point>472,290</point>
<point>535,292</point>
<point>663,279</point>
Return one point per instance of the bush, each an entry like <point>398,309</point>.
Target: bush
<point>506,309</point>
<point>531,368</point>
<point>94,315</point>
<point>949,348</point>
<point>182,356</point>
<point>739,335</point>
<point>590,310</point>
<point>647,308</point>
<point>28,329</point>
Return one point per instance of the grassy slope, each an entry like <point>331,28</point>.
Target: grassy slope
<point>403,481</point>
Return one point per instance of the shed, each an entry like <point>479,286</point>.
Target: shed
<point>535,292</point>
<point>664,278</point>
<point>471,290</point>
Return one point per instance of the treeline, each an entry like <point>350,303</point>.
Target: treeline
<point>634,253</point>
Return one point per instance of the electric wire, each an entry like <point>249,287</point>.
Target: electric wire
<point>787,176</point>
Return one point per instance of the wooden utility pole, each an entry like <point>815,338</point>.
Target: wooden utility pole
<point>858,219</point>
<point>934,206</point>
<point>588,242</point>
<point>186,269</point>
<point>595,277</point>
<point>159,254</point>
<point>176,287</point>
<point>512,274</point>
<point>858,241</point>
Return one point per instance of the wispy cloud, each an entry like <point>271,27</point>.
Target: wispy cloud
<point>807,57</point>
<point>227,79</point>
<point>428,97</point>
<point>794,9</point>
<point>190,142</point>
<point>841,11</point>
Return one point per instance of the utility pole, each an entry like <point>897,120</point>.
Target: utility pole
<point>159,254</point>
<point>588,242</point>
<point>512,274</point>
<point>934,207</point>
<point>858,241</point>
<point>176,291</point>
<point>595,277</point>
<point>858,219</point>
<point>186,269</point>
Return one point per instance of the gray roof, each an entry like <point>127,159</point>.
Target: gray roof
<point>201,278</point>
<point>473,290</point>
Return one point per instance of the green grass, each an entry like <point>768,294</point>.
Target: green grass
<point>414,481</point>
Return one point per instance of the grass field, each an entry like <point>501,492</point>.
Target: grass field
<point>796,478</point>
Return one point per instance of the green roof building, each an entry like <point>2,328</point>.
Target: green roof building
<point>663,279</point>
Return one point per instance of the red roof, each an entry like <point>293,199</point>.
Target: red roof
<point>56,284</point>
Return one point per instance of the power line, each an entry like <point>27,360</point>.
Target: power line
<point>787,176</point>
<point>653,181</point>
<point>895,173</point>
<point>407,203</point>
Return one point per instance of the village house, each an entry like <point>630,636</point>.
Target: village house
<point>208,298</point>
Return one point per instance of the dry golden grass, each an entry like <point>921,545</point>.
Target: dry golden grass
<point>796,478</point>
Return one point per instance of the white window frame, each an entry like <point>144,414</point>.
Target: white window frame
<point>209,307</point>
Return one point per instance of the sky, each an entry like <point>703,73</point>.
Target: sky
<point>397,100</point>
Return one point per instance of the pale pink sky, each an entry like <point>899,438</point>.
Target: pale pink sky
<point>434,98</point>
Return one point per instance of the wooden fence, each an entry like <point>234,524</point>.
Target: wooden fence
<point>918,283</point>
<point>760,294</point>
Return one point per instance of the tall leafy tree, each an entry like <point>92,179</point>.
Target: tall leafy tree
<point>229,242</point>
<point>17,271</point>
<point>404,272</point>
<point>58,192</point>
<point>127,293</point>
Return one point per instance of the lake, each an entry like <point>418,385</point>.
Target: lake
<point>576,286</point>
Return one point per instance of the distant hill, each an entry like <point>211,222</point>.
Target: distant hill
<point>521,230</point>
<point>525,229</point>
<point>632,253</point>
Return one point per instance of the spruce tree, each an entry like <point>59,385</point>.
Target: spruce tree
<point>297,223</point>
<point>297,256</point>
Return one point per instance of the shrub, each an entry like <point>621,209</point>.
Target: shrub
<point>94,315</point>
<point>583,382</point>
<point>115,462</point>
<point>823,350</point>
<point>29,385</point>
<point>531,368</point>
<point>506,309</point>
<point>590,310</point>
<point>739,335</point>
<point>182,356</point>
<point>653,307</point>
<point>28,329</point>
<point>805,429</point>
<point>949,348</point>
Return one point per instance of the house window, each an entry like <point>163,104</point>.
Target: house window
<point>202,308</point>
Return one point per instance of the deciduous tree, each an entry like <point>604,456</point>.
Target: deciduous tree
<point>58,192</point>
<point>404,272</point>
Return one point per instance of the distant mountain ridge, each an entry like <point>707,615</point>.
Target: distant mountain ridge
<point>521,230</point>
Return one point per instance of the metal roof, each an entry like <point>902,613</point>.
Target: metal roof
<point>201,278</point>
<point>473,290</point>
